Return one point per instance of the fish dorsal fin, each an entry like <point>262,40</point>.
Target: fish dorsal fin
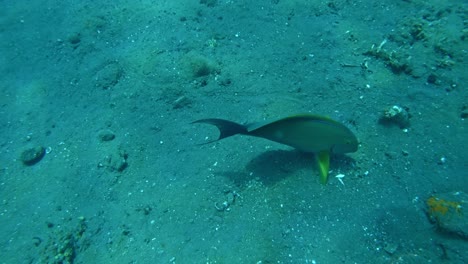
<point>257,125</point>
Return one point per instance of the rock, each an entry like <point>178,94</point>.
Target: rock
<point>181,102</point>
<point>74,39</point>
<point>230,198</point>
<point>64,243</point>
<point>464,112</point>
<point>118,163</point>
<point>446,210</point>
<point>108,76</point>
<point>391,248</point>
<point>115,162</point>
<point>199,66</point>
<point>106,135</point>
<point>32,156</point>
<point>432,79</point>
<point>396,115</point>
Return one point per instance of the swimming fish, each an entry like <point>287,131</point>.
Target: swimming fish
<point>305,132</point>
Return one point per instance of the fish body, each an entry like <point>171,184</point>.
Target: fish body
<point>305,132</point>
<point>309,133</point>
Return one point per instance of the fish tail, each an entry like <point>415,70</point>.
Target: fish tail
<point>226,128</point>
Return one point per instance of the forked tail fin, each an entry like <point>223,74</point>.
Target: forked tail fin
<point>226,128</point>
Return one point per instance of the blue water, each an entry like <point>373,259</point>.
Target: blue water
<point>109,89</point>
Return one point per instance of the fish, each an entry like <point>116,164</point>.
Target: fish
<point>306,132</point>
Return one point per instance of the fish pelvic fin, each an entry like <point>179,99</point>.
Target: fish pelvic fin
<point>323,161</point>
<point>226,128</point>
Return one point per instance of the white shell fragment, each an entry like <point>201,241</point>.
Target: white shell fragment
<point>340,178</point>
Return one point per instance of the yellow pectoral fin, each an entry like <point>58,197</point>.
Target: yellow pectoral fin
<point>323,161</point>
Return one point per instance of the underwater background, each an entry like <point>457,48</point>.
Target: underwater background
<point>99,161</point>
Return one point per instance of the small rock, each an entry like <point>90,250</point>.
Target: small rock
<point>199,66</point>
<point>432,79</point>
<point>108,76</point>
<point>464,112</point>
<point>32,156</point>
<point>106,135</point>
<point>447,211</point>
<point>74,39</point>
<point>396,115</point>
<point>115,162</point>
<point>391,248</point>
<point>230,198</point>
<point>225,81</point>
<point>181,102</point>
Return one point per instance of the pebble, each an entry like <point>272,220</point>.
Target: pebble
<point>391,248</point>
<point>32,156</point>
<point>106,135</point>
<point>230,198</point>
<point>447,210</point>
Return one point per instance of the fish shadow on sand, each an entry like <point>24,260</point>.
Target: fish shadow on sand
<point>272,166</point>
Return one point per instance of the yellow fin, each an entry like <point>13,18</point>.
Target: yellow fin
<point>323,161</point>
